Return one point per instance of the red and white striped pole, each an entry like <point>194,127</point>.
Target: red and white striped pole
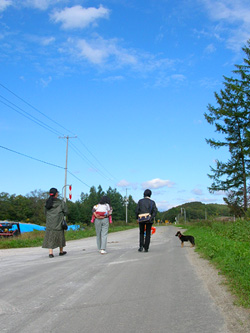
<point>70,192</point>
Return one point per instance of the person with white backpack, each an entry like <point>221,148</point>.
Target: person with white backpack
<point>102,217</point>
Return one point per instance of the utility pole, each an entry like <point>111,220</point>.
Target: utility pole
<point>126,203</point>
<point>183,210</point>
<point>66,165</point>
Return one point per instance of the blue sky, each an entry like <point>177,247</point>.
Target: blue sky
<point>131,79</point>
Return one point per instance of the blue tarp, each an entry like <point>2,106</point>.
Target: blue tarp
<point>28,227</point>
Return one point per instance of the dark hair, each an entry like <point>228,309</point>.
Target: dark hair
<point>49,202</point>
<point>147,193</point>
<point>104,200</point>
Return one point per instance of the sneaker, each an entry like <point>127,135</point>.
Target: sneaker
<point>103,252</point>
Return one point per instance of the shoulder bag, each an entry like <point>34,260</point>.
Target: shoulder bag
<point>146,216</point>
<point>64,224</point>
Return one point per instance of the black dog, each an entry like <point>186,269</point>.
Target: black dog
<point>185,239</point>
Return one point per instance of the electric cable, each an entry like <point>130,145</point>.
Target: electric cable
<point>34,108</point>
<point>77,178</point>
<point>33,158</point>
<point>96,159</point>
<point>45,126</point>
<point>79,153</point>
<point>38,160</point>
<point>29,116</point>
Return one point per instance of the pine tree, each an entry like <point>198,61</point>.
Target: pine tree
<point>232,119</point>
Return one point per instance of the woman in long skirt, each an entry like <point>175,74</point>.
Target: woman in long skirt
<point>55,210</point>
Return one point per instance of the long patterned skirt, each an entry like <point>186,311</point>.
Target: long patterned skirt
<point>54,239</point>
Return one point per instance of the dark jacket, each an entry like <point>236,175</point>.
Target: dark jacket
<point>55,215</point>
<point>146,205</point>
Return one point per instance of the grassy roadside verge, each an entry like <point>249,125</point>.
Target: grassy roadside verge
<point>35,238</point>
<point>227,246</point>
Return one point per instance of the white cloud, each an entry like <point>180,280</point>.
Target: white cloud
<point>79,17</point>
<point>178,77</point>
<point>46,82</point>
<point>209,200</point>
<point>163,205</point>
<point>40,4</point>
<point>157,183</point>
<point>99,51</point>
<point>164,81</point>
<point>233,20</point>
<point>219,193</point>
<point>113,78</point>
<point>4,4</point>
<point>210,49</point>
<point>209,83</point>
<point>94,53</point>
<point>229,10</point>
<point>197,191</point>
<point>123,183</point>
<point>47,40</point>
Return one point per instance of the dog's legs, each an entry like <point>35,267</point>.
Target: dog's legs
<point>182,243</point>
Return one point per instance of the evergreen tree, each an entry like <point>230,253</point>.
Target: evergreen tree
<point>234,200</point>
<point>231,119</point>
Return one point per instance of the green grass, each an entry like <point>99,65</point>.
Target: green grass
<point>35,238</point>
<point>227,246</point>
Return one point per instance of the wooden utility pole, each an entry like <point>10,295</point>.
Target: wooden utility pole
<point>66,165</point>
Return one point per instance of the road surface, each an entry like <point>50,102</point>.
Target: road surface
<point>122,291</point>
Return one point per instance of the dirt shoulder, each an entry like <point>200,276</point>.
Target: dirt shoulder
<point>237,318</point>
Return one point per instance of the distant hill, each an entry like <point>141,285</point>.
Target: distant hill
<point>195,211</point>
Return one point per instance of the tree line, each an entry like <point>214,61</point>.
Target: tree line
<point>30,208</point>
<point>194,211</point>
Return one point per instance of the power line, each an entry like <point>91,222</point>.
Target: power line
<point>38,160</point>
<point>33,158</point>
<point>34,108</point>
<point>29,116</point>
<point>78,178</point>
<point>53,130</point>
<point>96,159</point>
<point>79,153</point>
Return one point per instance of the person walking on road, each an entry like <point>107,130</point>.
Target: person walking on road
<point>55,210</point>
<point>102,217</point>
<point>145,213</point>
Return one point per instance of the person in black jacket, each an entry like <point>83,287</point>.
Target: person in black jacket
<point>145,205</point>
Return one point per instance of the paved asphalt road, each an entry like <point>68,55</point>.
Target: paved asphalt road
<point>122,291</point>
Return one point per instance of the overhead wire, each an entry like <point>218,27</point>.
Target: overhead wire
<point>38,160</point>
<point>29,116</point>
<point>78,152</point>
<point>33,158</point>
<point>53,130</point>
<point>96,159</point>
<point>34,108</point>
